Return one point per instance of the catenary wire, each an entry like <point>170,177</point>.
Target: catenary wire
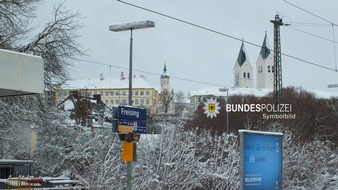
<point>147,72</point>
<point>152,73</point>
<point>313,14</point>
<point>314,35</point>
<point>332,25</point>
<point>223,34</point>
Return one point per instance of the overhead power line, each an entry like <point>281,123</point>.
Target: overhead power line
<point>223,34</point>
<point>313,14</point>
<point>309,24</point>
<point>173,77</point>
<point>147,72</point>
<point>314,35</point>
<point>332,25</point>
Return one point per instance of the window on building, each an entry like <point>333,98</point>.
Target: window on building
<point>124,102</point>
<point>248,75</point>
<point>244,75</point>
<point>142,101</point>
<point>117,93</point>
<point>123,92</point>
<point>111,93</point>
<point>136,101</point>
<point>111,102</point>
<point>147,101</point>
<point>136,92</point>
<point>101,92</point>
<point>272,68</point>
<point>269,69</point>
<point>106,93</point>
<point>117,101</point>
<point>142,92</point>
<point>147,93</point>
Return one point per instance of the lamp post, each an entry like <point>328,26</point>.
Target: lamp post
<point>125,27</point>
<point>227,90</point>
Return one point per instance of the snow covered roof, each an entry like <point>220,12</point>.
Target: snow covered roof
<point>259,132</point>
<point>106,83</point>
<point>232,91</point>
<point>254,92</point>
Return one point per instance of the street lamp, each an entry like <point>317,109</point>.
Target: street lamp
<point>227,90</point>
<point>131,26</point>
<point>125,27</point>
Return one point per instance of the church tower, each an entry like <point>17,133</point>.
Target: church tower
<point>264,66</point>
<point>165,79</point>
<point>243,70</point>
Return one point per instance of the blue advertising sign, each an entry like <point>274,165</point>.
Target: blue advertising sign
<point>131,113</point>
<point>132,126</point>
<point>261,160</point>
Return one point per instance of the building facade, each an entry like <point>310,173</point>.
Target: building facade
<point>113,91</point>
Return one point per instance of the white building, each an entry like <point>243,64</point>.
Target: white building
<point>243,71</point>
<point>264,67</point>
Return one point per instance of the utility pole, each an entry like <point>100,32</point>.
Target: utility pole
<point>278,85</point>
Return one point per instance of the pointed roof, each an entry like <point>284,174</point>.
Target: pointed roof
<point>164,75</point>
<point>265,50</point>
<point>165,68</point>
<point>242,55</point>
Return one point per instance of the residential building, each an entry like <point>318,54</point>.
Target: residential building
<point>113,91</point>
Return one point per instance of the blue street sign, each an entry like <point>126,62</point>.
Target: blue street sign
<point>131,113</point>
<point>130,126</point>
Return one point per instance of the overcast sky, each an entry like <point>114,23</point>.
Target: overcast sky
<point>194,54</point>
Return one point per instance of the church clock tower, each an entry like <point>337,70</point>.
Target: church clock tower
<point>165,79</point>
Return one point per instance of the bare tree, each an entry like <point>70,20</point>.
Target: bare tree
<point>56,44</point>
<point>15,17</point>
<point>166,99</point>
<point>179,100</point>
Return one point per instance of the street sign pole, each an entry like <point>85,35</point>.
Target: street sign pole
<point>129,122</point>
<point>129,171</point>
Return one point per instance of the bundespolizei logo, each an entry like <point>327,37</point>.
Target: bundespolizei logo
<point>211,108</point>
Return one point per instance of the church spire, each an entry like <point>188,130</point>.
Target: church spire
<point>164,75</point>
<point>165,68</point>
<point>242,55</point>
<point>265,50</point>
<point>165,79</point>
